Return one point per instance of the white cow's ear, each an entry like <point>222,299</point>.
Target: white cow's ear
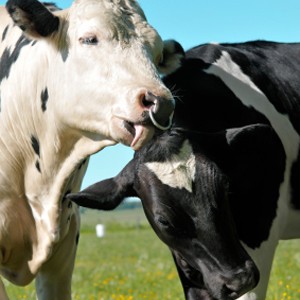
<point>33,18</point>
<point>173,54</point>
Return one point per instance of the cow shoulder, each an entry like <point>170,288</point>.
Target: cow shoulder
<point>269,68</point>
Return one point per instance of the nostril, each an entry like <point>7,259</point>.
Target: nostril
<point>234,290</point>
<point>160,109</point>
<point>148,100</point>
<point>234,285</point>
<point>242,281</point>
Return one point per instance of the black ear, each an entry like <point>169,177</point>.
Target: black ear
<point>250,136</point>
<point>109,193</point>
<point>256,170</point>
<point>173,55</point>
<point>258,141</point>
<point>257,157</point>
<point>32,17</point>
<point>256,144</point>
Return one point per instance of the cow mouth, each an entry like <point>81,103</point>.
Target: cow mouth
<point>130,127</point>
<point>140,133</point>
<point>204,291</point>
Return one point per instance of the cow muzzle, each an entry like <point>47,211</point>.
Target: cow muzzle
<point>237,283</point>
<point>160,110</point>
<point>220,284</point>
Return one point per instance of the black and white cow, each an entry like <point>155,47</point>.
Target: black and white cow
<point>71,83</point>
<point>221,187</point>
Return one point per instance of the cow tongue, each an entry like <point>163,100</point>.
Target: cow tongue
<point>142,135</point>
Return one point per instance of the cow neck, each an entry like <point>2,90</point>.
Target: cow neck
<point>60,173</point>
<point>43,159</point>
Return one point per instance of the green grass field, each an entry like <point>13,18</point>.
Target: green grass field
<point>131,263</point>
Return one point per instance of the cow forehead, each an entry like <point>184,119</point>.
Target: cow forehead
<point>97,11</point>
<point>120,19</point>
<point>179,170</point>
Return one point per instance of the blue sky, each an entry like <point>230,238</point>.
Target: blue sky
<point>193,22</point>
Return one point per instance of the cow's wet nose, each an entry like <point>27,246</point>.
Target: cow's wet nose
<point>160,110</point>
<point>242,281</point>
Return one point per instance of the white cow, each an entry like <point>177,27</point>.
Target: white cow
<point>71,83</point>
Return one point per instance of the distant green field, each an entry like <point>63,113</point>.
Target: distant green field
<point>131,263</point>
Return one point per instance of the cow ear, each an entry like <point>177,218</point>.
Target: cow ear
<point>173,55</point>
<point>109,193</point>
<point>242,145</point>
<point>255,145</point>
<point>33,18</point>
<point>254,135</point>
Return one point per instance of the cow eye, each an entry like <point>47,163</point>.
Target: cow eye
<point>162,221</point>
<point>90,40</point>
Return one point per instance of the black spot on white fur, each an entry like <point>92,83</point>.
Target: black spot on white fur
<point>9,57</point>
<point>38,167</point>
<point>44,98</point>
<point>4,33</point>
<point>35,145</point>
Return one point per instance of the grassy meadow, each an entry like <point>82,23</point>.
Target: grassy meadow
<point>131,263</point>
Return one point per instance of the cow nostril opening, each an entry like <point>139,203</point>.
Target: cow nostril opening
<point>160,110</point>
<point>243,281</point>
<point>233,291</point>
<point>148,100</point>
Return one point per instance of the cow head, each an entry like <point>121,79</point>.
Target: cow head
<point>189,184</point>
<point>101,59</point>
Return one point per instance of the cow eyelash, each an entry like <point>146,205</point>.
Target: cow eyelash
<point>163,222</point>
<point>91,40</point>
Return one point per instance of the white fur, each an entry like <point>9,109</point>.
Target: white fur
<point>179,171</point>
<point>92,89</point>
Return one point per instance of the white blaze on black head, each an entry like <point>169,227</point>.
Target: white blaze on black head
<point>178,171</point>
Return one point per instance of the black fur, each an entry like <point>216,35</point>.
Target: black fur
<point>37,165</point>
<point>9,57</point>
<point>35,17</point>
<point>4,32</point>
<point>35,145</point>
<point>44,99</point>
